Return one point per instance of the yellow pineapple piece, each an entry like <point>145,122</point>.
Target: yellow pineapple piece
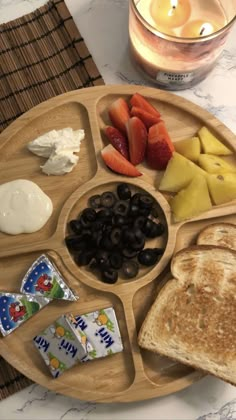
<point>211,144</point>
<point>214,164</point>
<point>190,148</point>
<point>179,173</point>
<point>192,200</point>
<point>222,187</point>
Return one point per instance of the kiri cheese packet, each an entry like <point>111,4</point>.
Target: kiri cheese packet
<point>16,309</point>
<point>101,333</point>
<point>43,279</point>
<point>60,346</point>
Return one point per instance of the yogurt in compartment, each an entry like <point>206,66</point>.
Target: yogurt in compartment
<point>24,207</point>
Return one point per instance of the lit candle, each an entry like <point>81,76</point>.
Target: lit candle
<point>198,28</point>
<point>170,13</point>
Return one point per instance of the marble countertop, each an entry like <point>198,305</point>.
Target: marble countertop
<point>210,398</point>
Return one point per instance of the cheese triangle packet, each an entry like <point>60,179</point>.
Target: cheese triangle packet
<point>44,279</point>
<point>16,308</point>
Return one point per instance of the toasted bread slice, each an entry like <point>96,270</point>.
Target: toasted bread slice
<point>193,319</point>
<point>218,234</point>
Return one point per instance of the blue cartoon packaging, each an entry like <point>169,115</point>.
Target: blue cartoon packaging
<point>44,279</point>
<point>60,347</point>
<point>16,309</point>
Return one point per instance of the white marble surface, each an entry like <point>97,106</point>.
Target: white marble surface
<point>108,42</point>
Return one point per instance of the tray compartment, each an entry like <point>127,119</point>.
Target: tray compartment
<point>82,203</point>
<point>181,123</point>
<point>86,377</point>
<point>17,162</point>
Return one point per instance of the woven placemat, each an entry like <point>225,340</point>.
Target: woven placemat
<point>42,55</point>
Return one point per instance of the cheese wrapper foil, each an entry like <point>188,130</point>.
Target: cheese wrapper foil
<point>44,279</point>
<point>101,333</point>
<point>17,308</point>
<point>60,347</point>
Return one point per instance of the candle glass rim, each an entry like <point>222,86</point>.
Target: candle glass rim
<point>174,38</point>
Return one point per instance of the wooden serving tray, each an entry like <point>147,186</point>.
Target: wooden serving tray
<point>134,374</point>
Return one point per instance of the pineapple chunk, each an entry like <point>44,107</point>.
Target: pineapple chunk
<point>179,173</point>
<point>211,144</point>
<point>191,201</point>
<point>190,148</point>
<point>214,164</point>
<point>222,187</point>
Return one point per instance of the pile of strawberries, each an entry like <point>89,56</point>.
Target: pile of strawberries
<point>137,133</point>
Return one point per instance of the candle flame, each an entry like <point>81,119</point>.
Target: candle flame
<point>206,29</point>
<point>174,4</point>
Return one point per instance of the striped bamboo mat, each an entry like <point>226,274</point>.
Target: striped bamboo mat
<point>42,55</point>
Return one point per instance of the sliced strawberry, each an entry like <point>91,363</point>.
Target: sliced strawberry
<point>119,113</point>
<point>140,102</point>
<point>115,161</point>
<point>137,138</point>
<point>118,140</point>
<point>159,147</point>
<point>147,118</point>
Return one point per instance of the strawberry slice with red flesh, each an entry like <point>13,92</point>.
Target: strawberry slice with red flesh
<point>118,140</point>
<point>137,138</point>
<point>147,118</point>
<point>119,113</point>
<point>117,163</point>
<point>139,101</point>
<point>159,147</point>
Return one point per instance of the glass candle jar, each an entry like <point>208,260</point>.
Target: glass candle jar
<point>175,43</point>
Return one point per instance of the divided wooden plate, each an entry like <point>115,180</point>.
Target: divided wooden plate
<point>134,374</point>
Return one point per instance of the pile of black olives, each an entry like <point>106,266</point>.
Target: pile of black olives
<point>110,235</point>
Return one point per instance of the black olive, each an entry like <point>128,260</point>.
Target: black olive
<point>148,226</point>
<point>109,276</point>
<point>138,233</point>
<point>139,222</point>
<point>129,253</point>
<point>84,222</point>
<point>123,191</point>
<point>134,210</point>
<point>84,257</point>
<point>108,199</point>
<point>95,201</point>
<point>121,208</point>
<point>148,256</point>
<point>115,235</point>
<point>135,199</point>
<point>155,211</point>
<point>75,226</point>
<point>146,201</point>
<point>105,214</point>
<point>87,235</point>
<point>130,269</point>
<point>116,260</point>
<point>96,238</point>
<point>118,220</point>
<point>157,229</point>
<point>89,214</point>
<point>73,242</point>
<point>97,225</point>
<point>102,258</point>
<point>128,236</point>
<point>93,265</point>
<point>138,244</point>
<point>144,211</point>
<point>106,242</point>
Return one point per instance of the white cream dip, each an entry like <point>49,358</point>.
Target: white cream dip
<point>24,207</point>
